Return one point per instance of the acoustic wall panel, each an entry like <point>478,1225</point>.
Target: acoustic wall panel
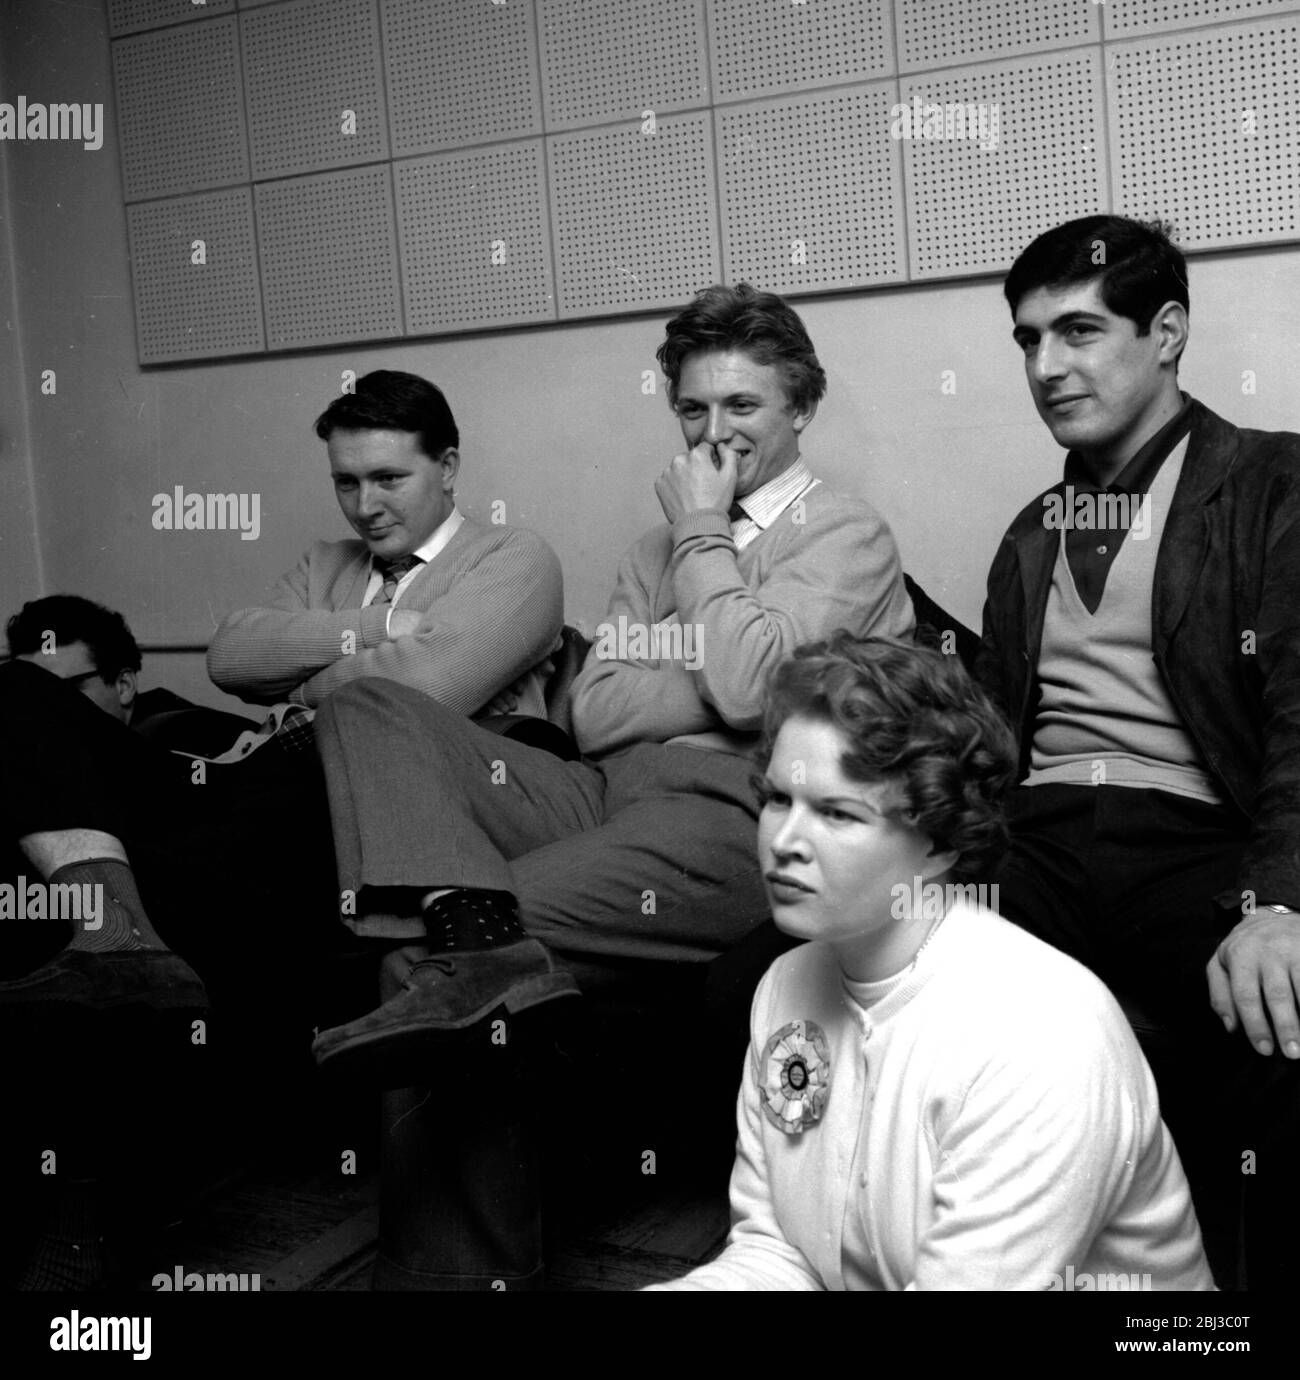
<point>314,85</point>
<point>475,245</point>
<point>607,60</point>
<point>329,259</point>
<point>130,16</point>
<point>180,116</point>
<point>759,47</point>
<point>194,277</point>
<point>1220,161</point>
<point>941,33</point>
<point>1128,18</point>
<point>632,216</point>
<point>993,155</point>
<point>812,191</point>
<point>459,74</point>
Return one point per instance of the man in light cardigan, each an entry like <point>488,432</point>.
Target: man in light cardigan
<point>455,609</point>
<point>484,854</point>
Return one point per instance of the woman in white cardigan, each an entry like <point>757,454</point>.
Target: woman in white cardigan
<point>932,1099</point>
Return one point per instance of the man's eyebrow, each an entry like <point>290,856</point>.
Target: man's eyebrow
<point>1058,323</point>
<point>741,396</point>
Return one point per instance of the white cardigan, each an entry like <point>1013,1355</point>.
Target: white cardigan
<point>991,1124</point>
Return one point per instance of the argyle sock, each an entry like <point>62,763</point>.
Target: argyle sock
<point>467,919</point>
<point>123,923</point>
<point>70,1254</point>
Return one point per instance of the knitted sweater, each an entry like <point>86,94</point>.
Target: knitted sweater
<point>990,1124</point>
<point>827,562</point>
<point>492,602</point>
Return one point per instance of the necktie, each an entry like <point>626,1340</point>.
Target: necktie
<point>393,573</point>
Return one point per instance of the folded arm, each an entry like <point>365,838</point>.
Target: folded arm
<point>500,617</point>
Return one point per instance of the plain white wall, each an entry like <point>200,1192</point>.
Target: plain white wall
<point>554,421</point>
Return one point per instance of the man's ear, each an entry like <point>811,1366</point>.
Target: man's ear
<point>1170,327</point>
<point>126,690</point>
<point>451,459</point>
<point>802,416</point>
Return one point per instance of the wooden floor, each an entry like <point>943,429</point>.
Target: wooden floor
<point>320,1232</point>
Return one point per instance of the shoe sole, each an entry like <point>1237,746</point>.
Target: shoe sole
<point>369,1055</point>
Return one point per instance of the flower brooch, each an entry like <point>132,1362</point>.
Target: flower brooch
<point>795,1076</point>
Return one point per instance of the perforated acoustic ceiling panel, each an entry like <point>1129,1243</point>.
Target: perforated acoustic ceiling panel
<point>329,259</point>
<point>1221,161</point>
<point>189,310</point>
<point>995,154</point>
<point>812,191</point>
<point>606,60</point>
<point>941,33</point>
<point>459,74</point>
<point>180,117</point>
<point>130,16</point>
<point>312,76</point>
<point>763,46</point>
<point>1127,18</point>
<point>474,239</point>
<point>632,216</point>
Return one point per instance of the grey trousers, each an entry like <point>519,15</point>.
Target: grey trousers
<point>648,854</point>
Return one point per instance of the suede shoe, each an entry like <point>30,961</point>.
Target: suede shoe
<point>155,978</point>
<point>441,994</point>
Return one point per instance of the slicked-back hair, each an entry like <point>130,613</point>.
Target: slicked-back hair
<point>913,718</point>
<point>73,619</point>
<point>1137,266</point>
<point>389,400</point>
<point>761,324</point>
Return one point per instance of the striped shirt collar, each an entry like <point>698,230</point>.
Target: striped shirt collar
<point>770,500</point>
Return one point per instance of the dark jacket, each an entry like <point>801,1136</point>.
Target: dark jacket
<point>1225,634</point>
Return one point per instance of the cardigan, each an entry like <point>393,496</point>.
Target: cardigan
<point>991,1124</point>
<point>827,562</point>
<point>493,606</point>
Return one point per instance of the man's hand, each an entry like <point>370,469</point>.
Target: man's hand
<point>1254,976</point>
<point>506,701</point>
<point>704,477</point>
<point>403,622</point>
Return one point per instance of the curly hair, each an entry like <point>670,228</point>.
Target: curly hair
<point>913,717</point>
<point>761,324</point>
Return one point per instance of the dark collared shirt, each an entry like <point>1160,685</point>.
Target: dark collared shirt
<point>1090,550</point>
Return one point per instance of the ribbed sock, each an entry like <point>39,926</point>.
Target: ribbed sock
<point>124,925</point>
<point>467,919</point>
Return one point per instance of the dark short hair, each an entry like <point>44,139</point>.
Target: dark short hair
<point>914,718</point>
<point>761,324</point>
<point>1138,266</point>
<point>389,400</point>
<point>74,619</point>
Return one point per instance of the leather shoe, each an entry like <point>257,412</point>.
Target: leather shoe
<point>441,994</point>
<point>156,978</point>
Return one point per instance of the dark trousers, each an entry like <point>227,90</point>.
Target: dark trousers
<point>225,857</point>
<point>1123,880</point>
